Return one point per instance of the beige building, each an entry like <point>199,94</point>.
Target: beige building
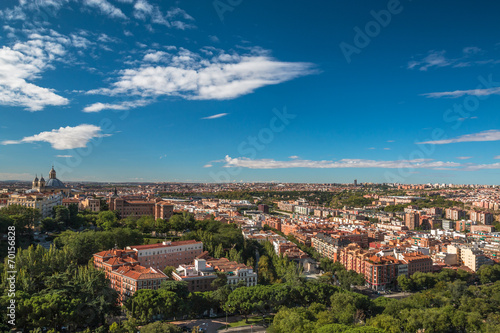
<point>473,258</point>
<point>468,256</point>
<point>41,201</point>
<point>91,204</point>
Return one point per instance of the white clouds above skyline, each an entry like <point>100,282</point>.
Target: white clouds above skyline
<point>244,162</point>
<point>64,137</point>
<point>490,135</point>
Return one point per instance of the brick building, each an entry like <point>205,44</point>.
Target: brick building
<point>156,207</point>
<point>126,274</point>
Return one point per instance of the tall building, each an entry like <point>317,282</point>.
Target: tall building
<point>355,182</point>
<point>455,214</point>
<point>412,220</point>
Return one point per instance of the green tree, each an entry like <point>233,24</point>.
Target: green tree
<point>107,220</point>
<point>159,327</point>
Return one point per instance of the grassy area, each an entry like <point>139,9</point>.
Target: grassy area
<point>251,321</point>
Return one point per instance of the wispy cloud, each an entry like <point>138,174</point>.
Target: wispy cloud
<point>174,18</point>
<point>64,156</point>
<point>464,157</point>
<point>244,162</point>
<point>491,135</point>
<point>482,167</point>
<point>293,157</point>
<point>432,59</point>
<point>64,137</point>
<point>98,107</point>
<point>460,93</point>
<point>15,176</point>
<point>105,8</point>
<point>497,157</point>
<point>215,116</point>
<point>437,59</point>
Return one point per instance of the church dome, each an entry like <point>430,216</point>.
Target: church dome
<point>54,183</point>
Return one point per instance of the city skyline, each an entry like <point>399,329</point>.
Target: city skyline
<point>143,90</point>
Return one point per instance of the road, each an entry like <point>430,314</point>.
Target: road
<point>211,325</point>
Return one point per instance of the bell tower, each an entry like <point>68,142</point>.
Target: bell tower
<point>35,183</point>
<point>41,184</point>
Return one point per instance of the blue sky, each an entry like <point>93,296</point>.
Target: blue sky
<point>238,90</point>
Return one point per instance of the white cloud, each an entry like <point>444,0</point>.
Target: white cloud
<point>293,157</point>
<point>98,107</point>
<point>64,137</point>
<point>64,156</point>
<point>25,62</point>
<point>208,165</point>
<point>144,11</point>
<point>105,8</point>
<point>464,157</point>
<point>156,56</point>
<point>215,116</point>
<point>192,76</point>
<point>460,93</point>
<point>497,157</point>
<point>491,135</point>
<point>483,167</point>
<point>244,162</point>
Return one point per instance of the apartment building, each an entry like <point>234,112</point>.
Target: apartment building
<point>412,220</point>
<point>328,247</point>
<point>468,256</point>
<point>455,214</point>
<point>482,217</point>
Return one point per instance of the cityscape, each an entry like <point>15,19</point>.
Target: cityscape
<point>236,166</point>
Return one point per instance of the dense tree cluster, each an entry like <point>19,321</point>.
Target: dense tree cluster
<point>54,292</point>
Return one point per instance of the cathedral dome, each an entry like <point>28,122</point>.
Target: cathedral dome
<point>54,183</point>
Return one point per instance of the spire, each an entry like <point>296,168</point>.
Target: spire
<point>116,192</point>
<point>41,179</point>
<point>36,178</point>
